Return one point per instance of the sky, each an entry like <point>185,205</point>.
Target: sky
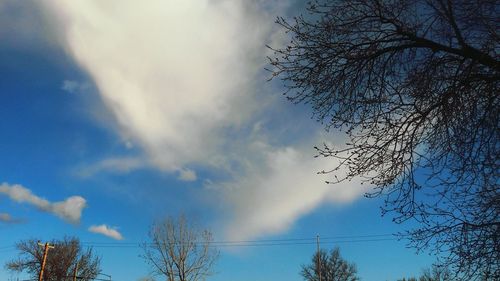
<point>115,114</point>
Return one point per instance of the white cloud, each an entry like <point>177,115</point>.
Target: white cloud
<point>119,165</point>
<point>7,218</point>
<point>69,210</point>
<point>4,217</point>
<point>174,73</point>
<point>279,190</point>
<point>182,80</point>
<point>105,230</point>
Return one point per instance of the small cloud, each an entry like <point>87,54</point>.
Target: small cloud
<point>106,231</point>
<point>4,217</point>
<point>187,175</point>
<point>69,210</point>
<point>7,218</point>
<point>74,86</point>
<point>120,165</point>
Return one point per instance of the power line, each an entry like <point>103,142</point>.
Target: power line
<point>7,249</point>
<point>254,243</point>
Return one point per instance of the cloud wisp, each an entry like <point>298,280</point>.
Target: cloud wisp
<point>7,218</point>
<point>277,191</point>
<point>4,217</point>
<point>106,230</point>
<point>69,210</point>
<point>117,165</point>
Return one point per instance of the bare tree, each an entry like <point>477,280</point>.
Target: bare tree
<point>414,84</point>
<point>179,250</point>
<point>61,260</point>
<point>332,266</point>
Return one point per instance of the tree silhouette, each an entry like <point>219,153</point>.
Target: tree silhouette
<point>61,260</point>
<point>180,251</point>
<point>414,84</point>
<point>333,267</point>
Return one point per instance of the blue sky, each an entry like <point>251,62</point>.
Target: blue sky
<point>117,113</point>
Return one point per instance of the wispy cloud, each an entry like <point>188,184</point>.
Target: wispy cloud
<point>274,193</point>
<point>69,210</point>
<point>118,165</point>
<point>4,217</point>
<point>7,218</point>
<point>105,230</point>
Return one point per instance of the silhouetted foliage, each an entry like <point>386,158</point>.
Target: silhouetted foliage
<point>333,267</point>
<point>60,263</point>
<point>414,84</point>
<point>179,250</point>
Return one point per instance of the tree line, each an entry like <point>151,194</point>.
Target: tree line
<point>178,250</point>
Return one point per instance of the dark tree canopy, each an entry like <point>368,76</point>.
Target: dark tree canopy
<point>333,268</point>
<point>414,84</point>
<point>60,263</point>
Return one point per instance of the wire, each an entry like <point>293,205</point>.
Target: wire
<point>7,249</point>
<point>253,243</point>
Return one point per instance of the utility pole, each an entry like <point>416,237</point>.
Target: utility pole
<point>47,246</point>
<point>319,257</point>
<point>75,272</point>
